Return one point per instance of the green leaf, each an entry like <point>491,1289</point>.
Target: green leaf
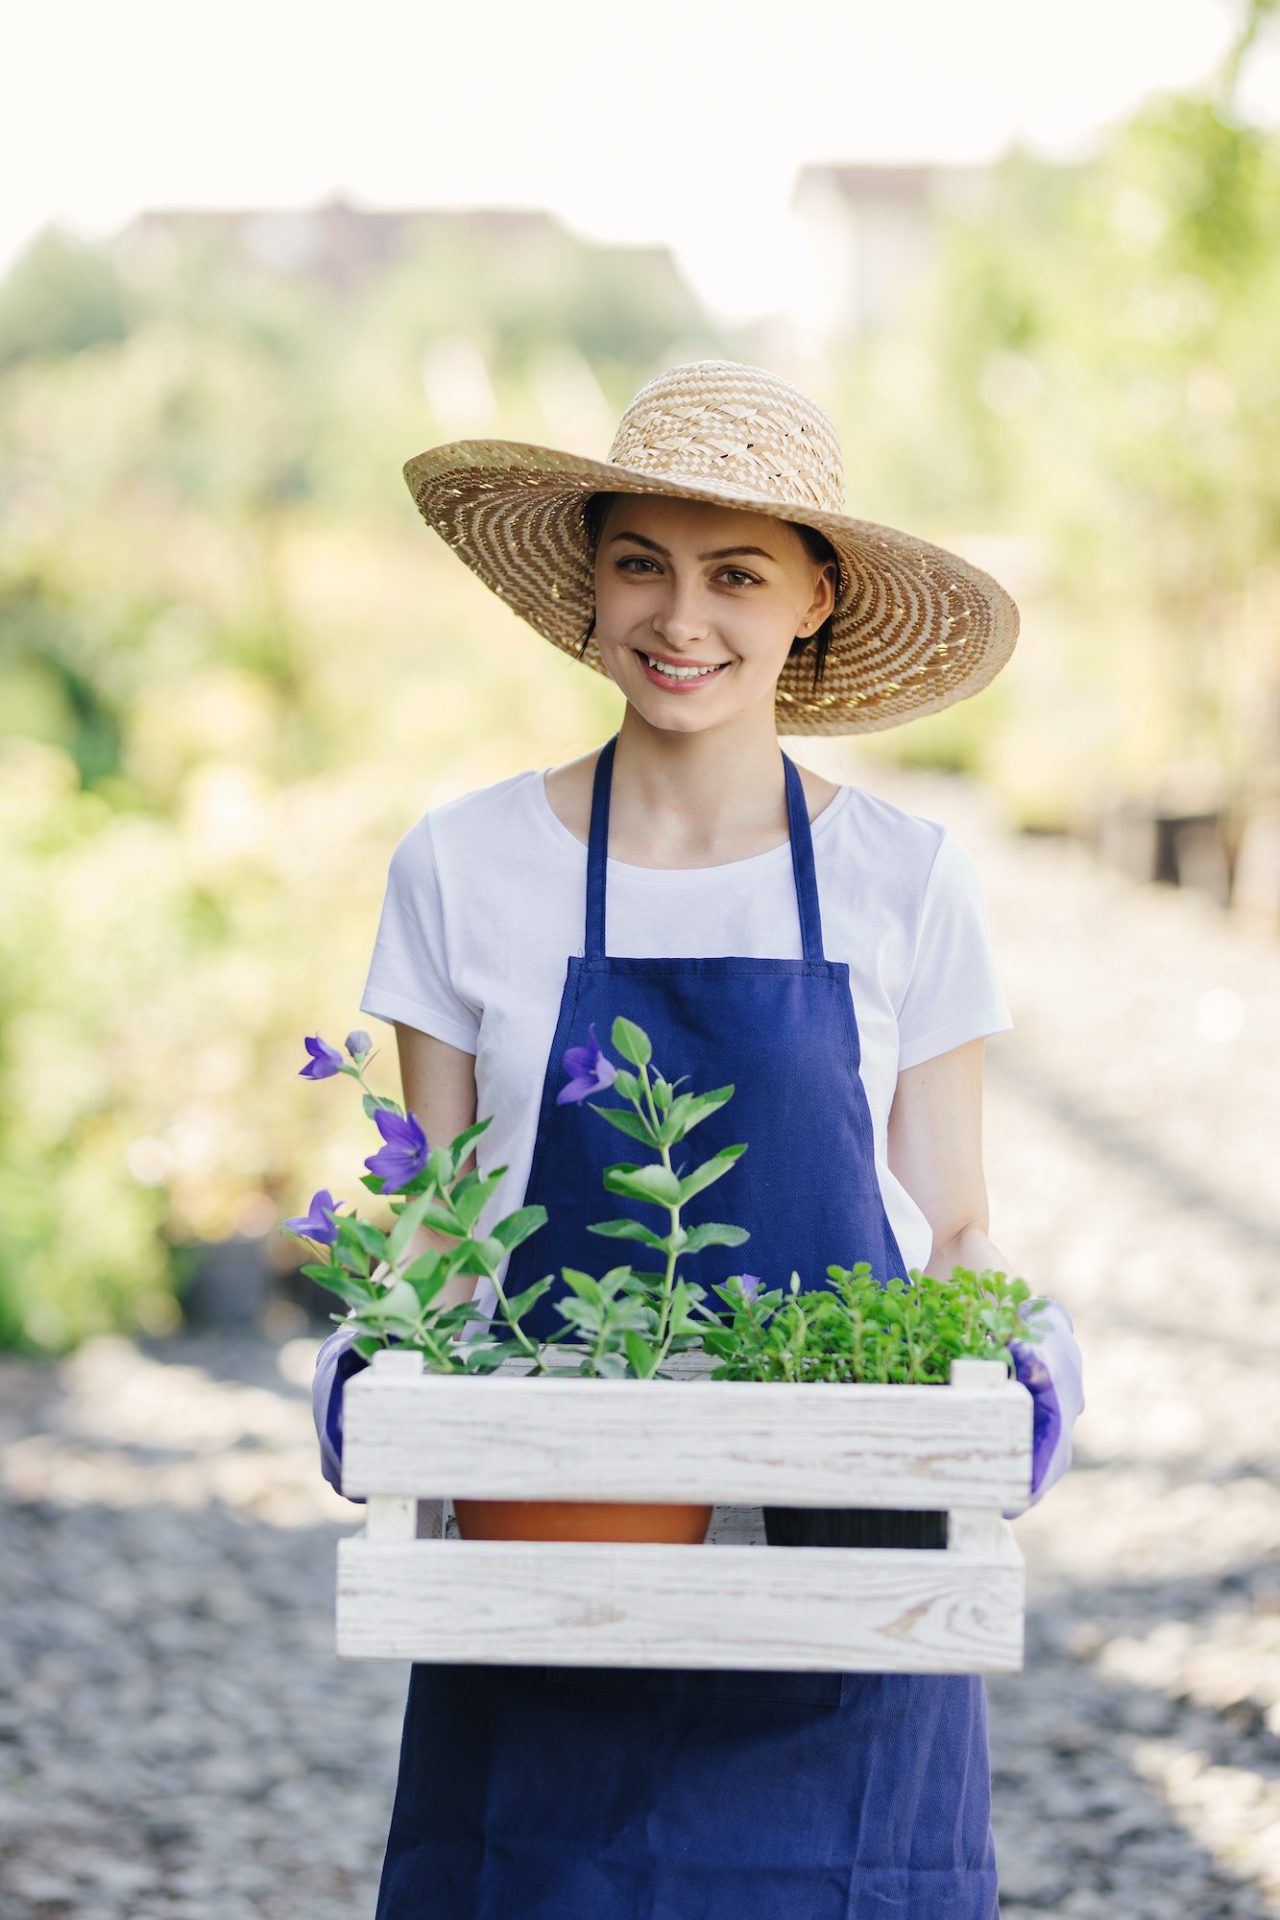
<point>371,1239</point>
<point>427,1279</point>
<point>407,1224</point>
<point>583,1285</point>
<point>656,1184</point>
<point>347,1287</point>
<point>372,1102</point>
<point>489,1250</point>
<point>398,1302</point>
<point>632,1042</point>
<point>463,1259</point>
<point>639,1353</point>
<point>579,1313</point>
<point>629,1085</point>
<point>457,1148</point>
<point>519,1225</point>
<point>682,1321</point>
<point>425,1267</point>
<point>630,1230</point>
<point>477,1357</point>
<point>468,1196</point>
<point>715,1233</point>
<point>630,1312</point>
<point>713,1169</point>
<point>519,1303</point>
<point>442,1220</point>
<point>633,1123</point>
<point>692,1107</point>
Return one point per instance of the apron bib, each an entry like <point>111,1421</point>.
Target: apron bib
<point>624,1793</point>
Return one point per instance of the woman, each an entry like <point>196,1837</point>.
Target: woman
<point>821,949</point>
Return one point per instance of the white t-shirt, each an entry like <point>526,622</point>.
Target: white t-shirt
<point>486,899</point>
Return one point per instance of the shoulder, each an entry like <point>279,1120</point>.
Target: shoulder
<point>889,842</point>
<point>467,823</point>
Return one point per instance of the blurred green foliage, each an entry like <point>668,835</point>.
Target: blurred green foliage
<point>1093,375</point>
<point>234,667</point>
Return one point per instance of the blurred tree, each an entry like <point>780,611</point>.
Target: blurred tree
<point>232,669</point>
<point>1104,382</point>
<point>60,297</point>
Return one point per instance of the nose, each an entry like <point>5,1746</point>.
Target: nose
<point>682,621</point>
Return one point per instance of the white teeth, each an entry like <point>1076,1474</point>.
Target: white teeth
<point>679,673</point>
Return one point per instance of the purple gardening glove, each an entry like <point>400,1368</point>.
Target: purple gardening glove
<point>336,1361</point>
<point>1052,1370</point>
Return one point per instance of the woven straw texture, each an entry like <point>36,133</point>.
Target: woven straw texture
<point>915,627</point>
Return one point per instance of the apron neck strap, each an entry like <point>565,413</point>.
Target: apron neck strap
<point>802,866</point>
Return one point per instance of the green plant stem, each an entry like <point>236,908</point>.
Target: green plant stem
<point>532,1348</point>
<point>664,1337</point>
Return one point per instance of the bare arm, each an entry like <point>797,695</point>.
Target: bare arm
<point>439,1086</point>
<point>935,1149</point>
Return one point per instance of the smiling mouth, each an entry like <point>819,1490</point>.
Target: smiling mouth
<point>691,670</point>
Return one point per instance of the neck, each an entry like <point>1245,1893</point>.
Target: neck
<point>704,793</point>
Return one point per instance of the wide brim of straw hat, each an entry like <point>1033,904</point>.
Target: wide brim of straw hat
<point>915,627</point>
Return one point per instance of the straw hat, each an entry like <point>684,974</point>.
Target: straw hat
<point>915,628</point>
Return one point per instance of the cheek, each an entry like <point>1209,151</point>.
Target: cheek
<point>610,604</point>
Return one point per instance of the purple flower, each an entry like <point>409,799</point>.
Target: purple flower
<point>588,1069</point>
<point>749,1281</point>
<point>317,1223</point>
<point>325,1060</point>
<point>357,1042</point>
<point>405,1154</point>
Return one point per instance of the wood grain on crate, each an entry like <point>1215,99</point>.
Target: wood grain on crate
<point>409,1588</point>
<point>600,1603</point>
<point>729,1442</point>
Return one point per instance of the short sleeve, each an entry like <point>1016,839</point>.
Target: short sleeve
<point>954,992</point>
<point>409,977</point>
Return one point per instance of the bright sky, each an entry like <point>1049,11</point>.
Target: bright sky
<point>674,121</point>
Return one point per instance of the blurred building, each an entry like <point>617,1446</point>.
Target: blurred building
<point>866,237</point>
<point>341,247</point>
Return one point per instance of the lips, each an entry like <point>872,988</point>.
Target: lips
<point>677,660</point>
<point>685,682</point>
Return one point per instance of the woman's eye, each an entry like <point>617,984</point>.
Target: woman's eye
<point>638,559</point>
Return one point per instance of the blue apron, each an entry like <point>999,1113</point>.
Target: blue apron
<point>625,1793</point>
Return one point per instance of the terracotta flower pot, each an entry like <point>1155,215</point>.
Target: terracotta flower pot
<point>675,1525</point>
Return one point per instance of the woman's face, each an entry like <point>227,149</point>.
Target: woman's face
<point>705,586</point>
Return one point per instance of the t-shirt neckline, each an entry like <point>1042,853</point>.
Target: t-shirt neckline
<point>751,861</point>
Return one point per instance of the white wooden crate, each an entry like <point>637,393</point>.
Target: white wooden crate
<point>410,1589</point>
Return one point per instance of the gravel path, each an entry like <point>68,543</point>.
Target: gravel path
<point>177,1737</point>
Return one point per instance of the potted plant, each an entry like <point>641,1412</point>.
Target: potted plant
<point>625,1324</point>
<point>618,1325</point>
<point>906,1331</point>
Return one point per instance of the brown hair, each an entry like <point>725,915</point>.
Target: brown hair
<point>819,548</point>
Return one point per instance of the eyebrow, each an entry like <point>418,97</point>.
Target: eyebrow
<point>717,553</point>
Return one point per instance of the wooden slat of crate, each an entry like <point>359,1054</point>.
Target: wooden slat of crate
<point>729,1442</point>
<point>601,1603</point>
